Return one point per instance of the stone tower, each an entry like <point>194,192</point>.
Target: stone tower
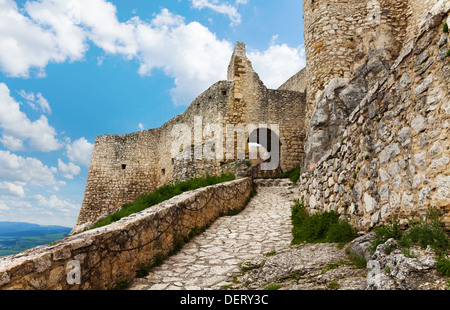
<point>339,34</point>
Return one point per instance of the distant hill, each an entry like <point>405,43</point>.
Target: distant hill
<point>20,229</point>
<point>16,237</point>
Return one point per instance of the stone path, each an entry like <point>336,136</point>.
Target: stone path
<point>212,259</point>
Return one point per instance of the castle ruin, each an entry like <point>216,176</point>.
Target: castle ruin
<point>357,99</point>
<point>367,120</point>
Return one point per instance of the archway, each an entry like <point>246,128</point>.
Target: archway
<point>264,151</point>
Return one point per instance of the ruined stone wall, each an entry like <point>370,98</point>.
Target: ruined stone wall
<point>393,159</point>
<point>127,166</point>
<point>112,254</point>
<point>298,82</point>
<point>339,34</point>
<point>417,11</point>
<point>124,167</point>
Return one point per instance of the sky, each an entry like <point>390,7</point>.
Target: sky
<point>72,70</point>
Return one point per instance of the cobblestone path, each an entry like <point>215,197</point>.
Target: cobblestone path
<point>212,259</point>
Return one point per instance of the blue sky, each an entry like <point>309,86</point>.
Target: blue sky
<point>71,70</point>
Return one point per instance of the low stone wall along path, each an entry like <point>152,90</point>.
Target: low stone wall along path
<point>212,259</point>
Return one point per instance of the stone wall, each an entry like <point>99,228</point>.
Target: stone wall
<point>298,82</point>
<point>112,254</point>
<point>124,167</point>
<point>393,158</point>
<point>338,35</point>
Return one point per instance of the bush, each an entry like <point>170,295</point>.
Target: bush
<point>161,194</point>
<point>341,232</point>
<point>445,28</point>
<point>384,233</point>
<point>319,228</point>
<point>427,231</point>
<point>423,232</point>
<point>293,174</point>
<point>443,266</point>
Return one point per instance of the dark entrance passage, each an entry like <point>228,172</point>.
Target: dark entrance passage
<point>264,151</point>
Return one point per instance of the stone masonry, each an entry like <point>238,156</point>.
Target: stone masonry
<point>99,259</point>
<point>390,158</point>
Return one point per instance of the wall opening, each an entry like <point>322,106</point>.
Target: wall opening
<point>124,166</point>
<point>268,145</point>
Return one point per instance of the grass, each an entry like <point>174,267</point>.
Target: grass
<point>293,174</point>
<point>445,28</point>
<point>443,266</point>
<point>424,232</point>
<point>162,194</point>
<point>272,287</point>
<point>333,285</point>
<point>384,233</point>
<point>320,227</point>
<point>357,260</point>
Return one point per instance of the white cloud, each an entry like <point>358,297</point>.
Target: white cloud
<point>49,31</point>
<point>221,8</point>
<point>53,202</point>
<point>278,63</point>
<point>10,188</point>
<point>26,44</point>
<point>18,128</point>
<point>51,210</point>
<point>37,102</point>
<point>189,53</point>
<point>141,126</point>
<point>3,207</point>
<point>69,170</point>
<point>27,170</point>
<point>12,143</point>
<point>80,151</point>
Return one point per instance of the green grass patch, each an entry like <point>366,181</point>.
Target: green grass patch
<point>443,266</point>
<point>333,285</point>
<point>162,194</point>
<point>293,174</point>
<point>445,28</point>
<point>359,261</point>
<point>422,232</point>
<point>320,227</point>
<point>272,287</point>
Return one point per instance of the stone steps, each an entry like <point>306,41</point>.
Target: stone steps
<point>273,182</point>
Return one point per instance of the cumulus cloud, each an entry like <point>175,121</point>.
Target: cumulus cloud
<point>49,31</point>
<point>37,102</point>
<point>189,53</point>
<point>221,8</point>
<point>27,170</point>
<point>26,44</point>
<point>69,170</point>
<point>80,151</point>
<point>17,127</point>
<point>51,210</point>
<point>278,63</point>
<point>9,188</point>
<point>21,177</point>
